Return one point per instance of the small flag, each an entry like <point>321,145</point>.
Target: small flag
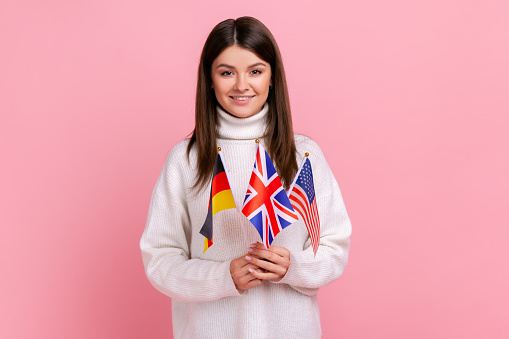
<point>303,199</point>
<point>221,198</point>
<point>266,204</point>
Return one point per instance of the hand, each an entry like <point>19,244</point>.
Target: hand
<point>241,272</point>
<point>273,262</point>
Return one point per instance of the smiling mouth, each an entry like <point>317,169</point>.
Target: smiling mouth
<point>242,98</point>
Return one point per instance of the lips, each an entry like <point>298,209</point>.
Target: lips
<point>242,98</point>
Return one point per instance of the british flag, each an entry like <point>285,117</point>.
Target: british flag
<point>266,204</point>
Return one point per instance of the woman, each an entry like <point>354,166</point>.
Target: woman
<point>239,289</point>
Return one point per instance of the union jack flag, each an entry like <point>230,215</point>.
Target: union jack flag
<point>266,204</point>
<point>303,199</point>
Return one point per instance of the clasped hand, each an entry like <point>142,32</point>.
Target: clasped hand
<point>259,264</point>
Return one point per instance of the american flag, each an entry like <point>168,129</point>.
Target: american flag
<point>266,204</point>
<point>302,197</point>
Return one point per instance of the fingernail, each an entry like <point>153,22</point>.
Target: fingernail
<point>248,257</point>
<point>251,270</point>
<point>250,249</point>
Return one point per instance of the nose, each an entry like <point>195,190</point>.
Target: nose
<point>241,83</point>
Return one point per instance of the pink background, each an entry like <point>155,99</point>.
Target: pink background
<point>408,99</point>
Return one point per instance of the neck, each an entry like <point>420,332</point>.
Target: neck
<point>231,127</point>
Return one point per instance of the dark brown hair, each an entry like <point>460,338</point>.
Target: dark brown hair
<point>249,33</point>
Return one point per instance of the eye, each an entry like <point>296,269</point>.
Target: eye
<point>256,71</point>
<point>226,73</point>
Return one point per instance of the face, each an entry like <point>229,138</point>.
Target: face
<point>241,81</point>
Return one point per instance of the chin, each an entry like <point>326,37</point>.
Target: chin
<point>242,113</point>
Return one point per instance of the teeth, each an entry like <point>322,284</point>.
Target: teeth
<point>241,98</point>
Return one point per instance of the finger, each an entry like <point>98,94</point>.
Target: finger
<point>253,283</point>
<point>265,275</point>
<point>245,281</point>
<point>281,251</point>
<point>275,258</point>
<point>267,265</point>
<point>250,266</point>
<point>258,245</point>
<point>248,278</point>
<point>245,285</point>
<point>239,263</point>
<point>244,273</point>
<point>285,253</point>
<point>240,267</point>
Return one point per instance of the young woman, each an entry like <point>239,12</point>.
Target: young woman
<point>239,289</point>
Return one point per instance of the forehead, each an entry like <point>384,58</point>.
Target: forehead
<point>238,57</point>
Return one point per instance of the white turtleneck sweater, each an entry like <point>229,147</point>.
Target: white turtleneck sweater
<point>205,302</point>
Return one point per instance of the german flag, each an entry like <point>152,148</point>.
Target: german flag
<point>221,198</point>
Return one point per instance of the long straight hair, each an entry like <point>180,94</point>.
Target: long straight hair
<point>251,34</point>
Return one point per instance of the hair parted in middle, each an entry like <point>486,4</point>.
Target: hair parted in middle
<point>251,34</point>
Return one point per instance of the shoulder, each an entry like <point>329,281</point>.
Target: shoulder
<point>179,150</point>
<point>301,139</point>
<point>177,160</point>
<point>322,174</point>
<point>176,175</point>
<point>305,144</point>
<point>177,155</point>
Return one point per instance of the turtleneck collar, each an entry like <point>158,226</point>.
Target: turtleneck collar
<point>230,127</point>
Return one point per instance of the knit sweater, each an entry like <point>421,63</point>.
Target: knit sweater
<point>205,302</point>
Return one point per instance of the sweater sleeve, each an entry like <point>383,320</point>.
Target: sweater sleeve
<point>307,273</point>
<point>166,240</point>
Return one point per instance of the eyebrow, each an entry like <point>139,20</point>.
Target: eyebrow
<point>232,67</point>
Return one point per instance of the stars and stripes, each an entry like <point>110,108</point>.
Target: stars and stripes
<point>303,199</point>
<point>266,204</point>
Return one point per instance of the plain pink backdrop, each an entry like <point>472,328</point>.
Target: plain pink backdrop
<point>408,100</point>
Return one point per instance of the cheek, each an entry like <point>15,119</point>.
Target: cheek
<point>263,86</point>
<point>218,95</point>
<point>221,93</point>
<point>220,88</point>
